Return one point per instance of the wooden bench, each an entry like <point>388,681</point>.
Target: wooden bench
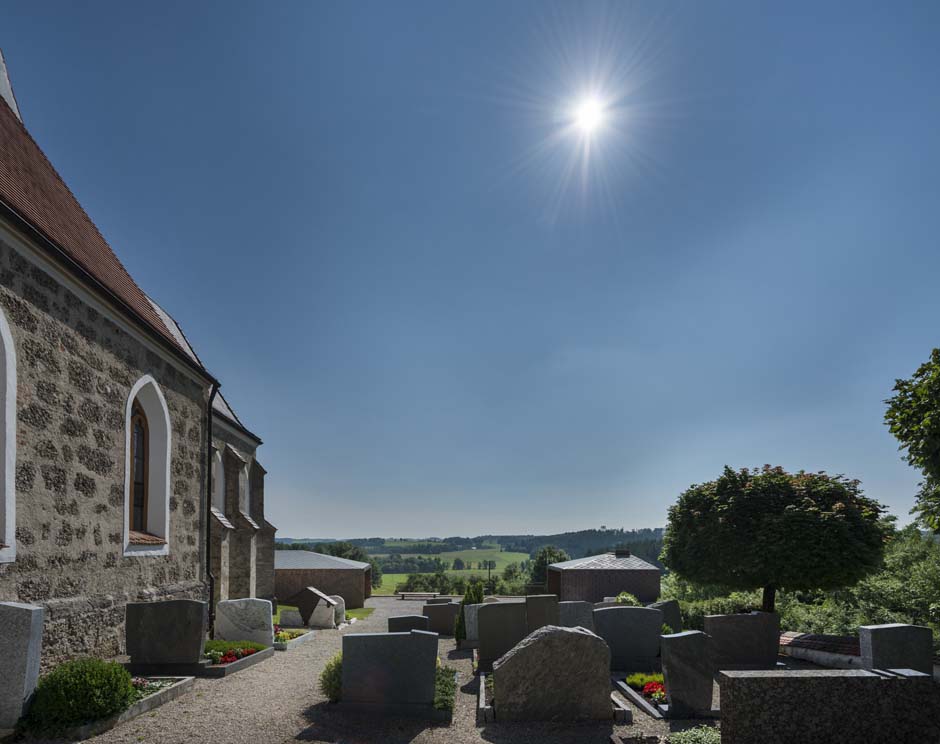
<point>418,595</point>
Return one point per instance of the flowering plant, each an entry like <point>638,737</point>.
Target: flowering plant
<point>655,691</point>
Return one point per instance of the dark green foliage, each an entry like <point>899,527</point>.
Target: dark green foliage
<point>224,646</point>
<point>625,598</point>
<point>459,565</point>
<point>697,735</point>
<point>913,416</point>
<point>331,679</point>
<point>342,550</point>
<point>773,529</point>
<point>445,688</point>
<point>77,692</point>
<point>473,595</point>
<point>376,574</point>
<point>543,559</point>
<point>694,612</point>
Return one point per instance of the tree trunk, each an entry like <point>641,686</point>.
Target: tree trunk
<point>770,598</point>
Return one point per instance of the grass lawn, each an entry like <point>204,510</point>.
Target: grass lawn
<point>502,558</point>
<point>389,582</point>
<point>360,614</point>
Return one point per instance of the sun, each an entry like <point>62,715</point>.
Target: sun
<point>588,114</point>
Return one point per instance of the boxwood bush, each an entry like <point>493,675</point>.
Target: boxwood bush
<point>331,679</point>
<point>445,688</point>
<point>77,692</point>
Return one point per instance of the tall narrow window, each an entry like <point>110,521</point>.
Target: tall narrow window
<point>139,449</point>
<point>7,443</point>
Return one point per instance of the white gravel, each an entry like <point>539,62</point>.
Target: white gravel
<point>279,701</point>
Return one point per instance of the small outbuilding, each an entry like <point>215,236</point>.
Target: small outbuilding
<point>592,578</point>
<point>297,569</point>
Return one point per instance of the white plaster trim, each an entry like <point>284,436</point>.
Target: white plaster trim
<point>217,498</point>
<point>159,476</point>
<point>220,422</point>
<point>8,444</point>
<point>24,246</point>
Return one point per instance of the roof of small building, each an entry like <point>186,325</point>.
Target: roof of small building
<point>309,559</point>
<point>605,562</point>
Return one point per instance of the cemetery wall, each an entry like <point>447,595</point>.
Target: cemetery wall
<point>75,370</point>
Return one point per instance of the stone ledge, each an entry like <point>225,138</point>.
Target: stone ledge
<point>298,641</point>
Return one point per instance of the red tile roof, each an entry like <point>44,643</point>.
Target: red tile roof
<point>32,188</point>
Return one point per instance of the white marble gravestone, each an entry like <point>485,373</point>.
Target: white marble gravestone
<point>245,620</point>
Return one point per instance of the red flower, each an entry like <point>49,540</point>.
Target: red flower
<point>653,687</point>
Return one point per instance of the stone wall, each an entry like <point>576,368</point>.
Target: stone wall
<point>75,370</point>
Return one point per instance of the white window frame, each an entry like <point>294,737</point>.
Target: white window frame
<point>147,393</point>
<point>218,481</point>
<point>7,444</point>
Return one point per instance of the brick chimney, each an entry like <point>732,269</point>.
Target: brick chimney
<point>622,552</point>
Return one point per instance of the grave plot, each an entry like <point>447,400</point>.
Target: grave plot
<point>744,641</point>
<point>553,674</point>
<point>633,634</point>
<point>396,674</point>
<point>441,616</point>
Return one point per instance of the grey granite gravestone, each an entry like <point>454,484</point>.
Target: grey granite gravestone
<point>441,617</point>
<point>169,632</point>
<point>554,674</point>
<point>20,651</point>
<point>246,619</point>
<point>471,622</point>
<point>672,614</point>
<point>407,623</point>
<point>689,673</point>
<point>307,600</point>
<point>746,641</point>
<point>633,635</point>
<point>339,609</point>
<point>438,600</point>
<point>501,626</point>
<point>389,669</point>
<point>896,646</point>
<point>489,600</point>
<point>291,618</point>
<point>576,614</point>
<point>540,610</point>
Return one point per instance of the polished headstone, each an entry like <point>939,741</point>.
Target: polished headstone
<point>541,610</point>
<point>389,668</point>
<point>471,614</point>
<point>689,673</point>
<point>672,614</point>
<point>441,617</point>
<point>633,635</point>
<point>20,651</point>
<point>745,641</point>
<point>576,614</point>
<point>897,646</point>
<point>501,626</point>
<point>172,631</point>
<point>407,623</point>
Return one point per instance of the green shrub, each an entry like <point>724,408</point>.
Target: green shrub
<point>625,598</point>
<point>445,688</point>
<point>698,735</point>
<point>224,646</point>
<point>693,613</point>
<point>639,680</point>
<point>472,595</point>
<point>77,692</point>
<point>331,679</point>
<point>666,629</point>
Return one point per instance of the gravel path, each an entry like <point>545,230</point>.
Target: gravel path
<point>279,701</point>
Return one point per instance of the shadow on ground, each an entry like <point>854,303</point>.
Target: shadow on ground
<point>329,723</point>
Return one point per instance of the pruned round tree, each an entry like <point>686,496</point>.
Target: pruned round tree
<point>775,530</point>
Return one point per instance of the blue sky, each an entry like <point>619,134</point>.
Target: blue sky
<point>362,216</point>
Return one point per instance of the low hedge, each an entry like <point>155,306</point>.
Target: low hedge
<point>331,679</point>
<point>445,688</point>
<point>78,692</point>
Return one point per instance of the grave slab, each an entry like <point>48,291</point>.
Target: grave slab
<point>441,617</point>
<point>541,610</point>
<point>633,634</point>
<point>689,674</point>
<point>407,623</point>
<point>896,646</point>
<point>576,614</point>
<point>745,641</point>
<point>169,632</point>
<point>20,651</point>
<point>554,674</point>
<point>245,620</point>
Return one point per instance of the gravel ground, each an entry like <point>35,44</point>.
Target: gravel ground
<point>279,701</point>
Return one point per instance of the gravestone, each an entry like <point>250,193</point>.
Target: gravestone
<point>746,641</point>
<point>245,620</point>
<point>576,615</point>
<point>489,600</point>
<point>471,622</point>
<point>407,623</point>
<point>324,616</point>
<point>389,669</point>
<point>307,600</point>
<point>441,617</point>
<point>437,600</point>
<point>541,610</point>
<point>896,646</point>
<point>171,631</point>
<point>339,609</point>
<point>633,634</point>
<point>554,674</point>
<point>689,673</point>
<point>501,626</point>
<point>291,618</point>
<point>605,604</point>
<point>672,614</point>
<point>20,650</point>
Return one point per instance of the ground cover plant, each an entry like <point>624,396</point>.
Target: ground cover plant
<point>283,636</point>
<point>145,687</point>
<point>697,735</point>
<point>639,680</point>
<point>445,688</point>
<point>225,652</point>
<point>78,692</point>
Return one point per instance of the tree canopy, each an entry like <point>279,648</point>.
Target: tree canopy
<point>543,558</point>
<point>913,416</point>
<point>776,530</point>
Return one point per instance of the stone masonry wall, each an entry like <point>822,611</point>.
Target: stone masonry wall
<point>75,370</point>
